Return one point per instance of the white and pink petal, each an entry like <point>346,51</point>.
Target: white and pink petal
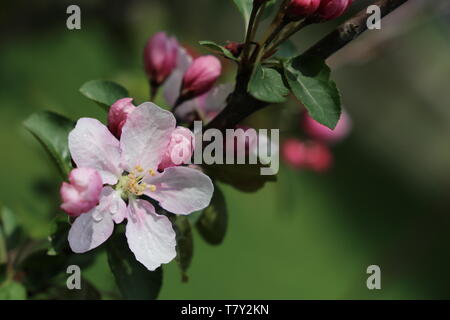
<point>91,229</point>
<point>150,236</point>
<point>181,190</point>
<point>216,98</point>
<point>145,137</point>
<point>172,86</point>
<point>113,203</point>
<point>92,145</point>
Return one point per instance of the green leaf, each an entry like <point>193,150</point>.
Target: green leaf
<point>309,80</point>
<point>39,277</point>
<point>12,232</point>
<point>52,131</point>
<point>185,244</point>
<point>194,216</point>
<point>3,273</point>
<point>87,292</point>
<point>267,85</point>
<point>245,8</point>
<point>8,221</point>
<point>271,7</point>
<point>58,237</point>
<point>3,250</point>
<point>213,222</point>
<point>244,177</point>
<point>216,48</point>
<point>135,282</point>
<point>286,50</point>
<point>12,290</point>
<point>105,93</point>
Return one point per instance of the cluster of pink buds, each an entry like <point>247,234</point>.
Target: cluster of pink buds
<point>191,89</point>
<point>314,153</point>
<point>163,56</point>
<point>316,10</point>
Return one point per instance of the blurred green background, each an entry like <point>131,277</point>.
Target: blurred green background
<point>308,236</point>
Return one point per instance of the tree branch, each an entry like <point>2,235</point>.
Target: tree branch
<point>241,104</point>
<point>350,30</point>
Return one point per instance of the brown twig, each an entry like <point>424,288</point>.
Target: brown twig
<point>296,28</point>
<point>251,29</point>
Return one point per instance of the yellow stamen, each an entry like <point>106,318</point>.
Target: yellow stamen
<point>152,188</point>
<point>152,172</point>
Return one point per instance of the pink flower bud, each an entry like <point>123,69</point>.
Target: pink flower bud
<point>320,132</point>
<point>309,155</point>
<point>118,114</point>
<point>201,76</point>
<point>299,9</point>
<point>318,157</point>
<point>82,193</point>
<point>160,57</point>
<point>293,153</point>
<point>331,9</point>
<point>180,148</point>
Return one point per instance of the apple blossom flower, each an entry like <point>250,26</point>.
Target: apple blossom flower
<point>201,76</point>
<point>118,114</point>
<point>180,148</point>
<point>160,57</point>
<point>320,132</point>
<point>299,9</point>
<point>332,9</point>
<point>82,193</point>
<point>128,169</point>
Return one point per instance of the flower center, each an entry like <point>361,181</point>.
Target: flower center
<point>133,184</point>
